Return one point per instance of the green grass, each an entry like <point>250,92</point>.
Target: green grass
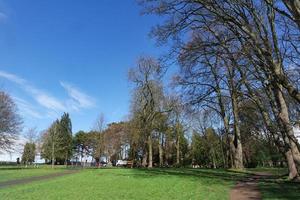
<point>13,173</point>
<point>131,184</point>
<point>279,190</point>
<point>273,171</point>
<point>277,187</point>
<point>136,184</point>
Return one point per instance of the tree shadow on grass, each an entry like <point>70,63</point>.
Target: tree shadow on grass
<point>279,189</point>
<point>225,175</point>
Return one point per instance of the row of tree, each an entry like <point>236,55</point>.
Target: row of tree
<point>234,54</point>
<point>237,91</point>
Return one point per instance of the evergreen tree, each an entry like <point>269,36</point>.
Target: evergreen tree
<point>28,153</point>
<point>65,138</point>
<point>57,141</point>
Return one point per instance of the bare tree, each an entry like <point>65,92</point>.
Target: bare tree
<point>255,36</point>
<point>31,135</point>
<point>147,98</point>
<point>10,121</point>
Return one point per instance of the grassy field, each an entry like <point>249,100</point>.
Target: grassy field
<point>279,190</point>
<point>130,184</point>
<point>277,187</point>
<point>13,173</point>
<point>141,184</point>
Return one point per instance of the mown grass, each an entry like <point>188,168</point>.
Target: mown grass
<point>130,184</point>
<point>278,187</point>
<point>279,190</point>
<point>17,172</point>
<point>272,171</point>
<point>143,184</point>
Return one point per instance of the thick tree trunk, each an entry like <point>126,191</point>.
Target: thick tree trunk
<point>238,150</point>
<point>273,131</point>
<point>150,163</point>
<point>283,116</point>
<point>293,172</point>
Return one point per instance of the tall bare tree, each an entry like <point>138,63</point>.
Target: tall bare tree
<point>147,98</point>
<point>10,121</point>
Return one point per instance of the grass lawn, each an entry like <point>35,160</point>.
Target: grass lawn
<point>131,184</point>
<point>13,173</point>
<point>277,187</point>
<point>279,190</point>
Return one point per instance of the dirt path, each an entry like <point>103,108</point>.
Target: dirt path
<point>248,189</point>
<point>36,178</point>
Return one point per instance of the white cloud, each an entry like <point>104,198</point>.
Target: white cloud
<point>40,96</point>
<point>49,102</point>
<point>78,98</point>
<point>12,77</point>
<point>26,108</point>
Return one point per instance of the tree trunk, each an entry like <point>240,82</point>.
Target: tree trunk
<point>144,161</point>
<point>274,132</point>
<point>178,149</point>
<point>238,151</point>
<point>285,120</point>
<point>52,155</point>
<point>223,115</point>
<point>214,158</point>
<point>160,149</point>
<point>66,160</point>
<point>150,164</point>
<point>293,173</point>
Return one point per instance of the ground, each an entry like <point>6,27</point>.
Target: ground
<point>12,173</point>
<point>135,184</point>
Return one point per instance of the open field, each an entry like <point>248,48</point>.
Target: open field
<point>277,186</point>
<point>129,184</point>
<point>140,184</point>
<point>14,173</point>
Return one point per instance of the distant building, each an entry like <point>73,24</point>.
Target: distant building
<point>82,157</point>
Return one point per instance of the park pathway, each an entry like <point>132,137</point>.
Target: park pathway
<point>35,178</point>
<point>248,188</point>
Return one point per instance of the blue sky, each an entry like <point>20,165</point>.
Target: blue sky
<point>72,56</point>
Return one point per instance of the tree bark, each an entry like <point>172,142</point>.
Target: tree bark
<point>177,146</point>
<point>293,172</point>
<point>160,149</point>
<point>285,120</point>
<point>150,163</point>
<point>145,157</point>
<point>238,151</point>
<point>52,155</point>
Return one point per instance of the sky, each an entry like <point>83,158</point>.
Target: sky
<point>71,56</point>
